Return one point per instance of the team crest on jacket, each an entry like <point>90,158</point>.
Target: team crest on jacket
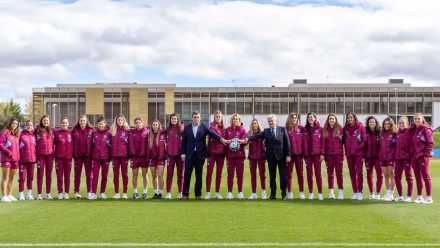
<point>123,134</point>
<point>105,136</point>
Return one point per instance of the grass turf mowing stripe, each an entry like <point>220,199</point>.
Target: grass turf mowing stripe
<point>319,244</point>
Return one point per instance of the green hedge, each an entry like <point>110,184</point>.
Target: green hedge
<point>437,140</point>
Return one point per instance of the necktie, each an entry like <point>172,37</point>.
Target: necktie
<point>273,133</point>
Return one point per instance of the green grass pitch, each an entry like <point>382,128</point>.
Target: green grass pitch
<point>223,222</point>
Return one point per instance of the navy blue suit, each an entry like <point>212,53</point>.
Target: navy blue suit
<point>195,151</point>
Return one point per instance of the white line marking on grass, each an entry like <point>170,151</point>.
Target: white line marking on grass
<point>214,244</point>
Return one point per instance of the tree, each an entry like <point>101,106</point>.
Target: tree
<point>28,109</point>
<point>8,110</point>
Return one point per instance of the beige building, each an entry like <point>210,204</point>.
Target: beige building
<point>158,101</point>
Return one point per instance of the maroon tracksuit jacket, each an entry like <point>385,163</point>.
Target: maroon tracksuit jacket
<point>372,161</point>
<point>422,144</point>
<point>173,140</point>
<point>235,160</point>
<point>298,146</point>
<point>63,158</point>
<point>355,140</point>
<point>313,154</point>
<point>45,152</point>
<point>28,158</point>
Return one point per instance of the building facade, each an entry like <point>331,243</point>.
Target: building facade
<point>158,101</point>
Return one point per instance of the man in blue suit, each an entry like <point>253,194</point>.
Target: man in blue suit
<point>277,153</point>
<point>194,152</point>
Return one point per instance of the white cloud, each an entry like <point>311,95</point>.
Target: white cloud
<point>43,42</point>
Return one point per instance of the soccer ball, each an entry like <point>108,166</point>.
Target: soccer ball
<point>234,145</point>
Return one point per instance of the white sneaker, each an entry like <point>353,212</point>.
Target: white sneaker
<point>60,196</point>
<point>102,196</point>
<point>124,196</point>
<point>253,196</point>
<point>263,195</point>
<point>90,196</point>
<point>398,199</point>
<point>428,200</point>
<point>168,196</point>
<point>5,199</point>
<point>378,196</point>
<point>302,196</point>
<point>407,199</point>
<point>21,196</point>
<point>39,197</point>
<point>48,197</point>
<point>331,195</point>
<point>218,196</point>
<point>340,194</point>
<point>290,195</point>
<point>311,196</point>
<point>89,193</point>
<point>77,195</point>
<point>180,195</point>
<point>360,196</point>
<point>372,196</point>
<point>207,196</point>
<point>66,196</point>
<point>117,196</point>
<point>229,196</point>
<point>30,198</point>
<point>388,197</point>
<point>12,198</point>
<point>354,197</point>
<point>240,196</point>
<point>419,199</point>
<point>320,197</point>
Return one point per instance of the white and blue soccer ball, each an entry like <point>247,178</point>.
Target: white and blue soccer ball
<point>234,145</point>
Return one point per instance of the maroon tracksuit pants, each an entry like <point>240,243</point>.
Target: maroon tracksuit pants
<point>403,165</point>
<point>218,161</point>
<point>120,164</point>
<point>97,165</point>
<point>297,161</point>
<point>44,163</point>
<point>261,164</point>
<point>374,164</point>
<point>177,161</point>
<point>79,161</point>
<point>335,164</point>
<point>25,173</point>
<point>314,162</point>
<point>355,170</point>
<point>63,168</point>
<point>235,165</point>
<point>421,173</point>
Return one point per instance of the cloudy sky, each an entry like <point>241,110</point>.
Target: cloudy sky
<point>216,42</point>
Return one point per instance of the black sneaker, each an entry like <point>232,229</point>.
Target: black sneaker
<point>155,196</point>
<point>135,196</point>
<point>159,196</point>
<point>144,196</point>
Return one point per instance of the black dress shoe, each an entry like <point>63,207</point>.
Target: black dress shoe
<point>283,198</point>
<point>272,197</point>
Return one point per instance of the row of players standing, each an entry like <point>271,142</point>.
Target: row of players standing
<point>385,150</point>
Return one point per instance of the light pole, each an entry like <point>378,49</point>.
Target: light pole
<point>396,104</point>
<point>226,113</point>
<point>54,106</point>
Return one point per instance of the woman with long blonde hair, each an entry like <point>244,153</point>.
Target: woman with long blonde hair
<point>120,132</point>
<point>217,152</point>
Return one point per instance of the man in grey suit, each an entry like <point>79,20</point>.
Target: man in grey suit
<point>277,154</point>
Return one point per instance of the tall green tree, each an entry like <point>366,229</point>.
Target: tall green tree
<point>8,110</point>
